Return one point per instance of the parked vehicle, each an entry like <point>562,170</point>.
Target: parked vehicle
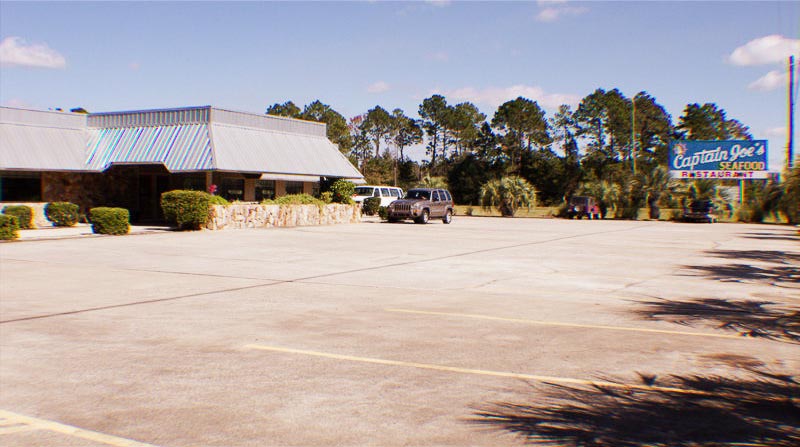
<point>422,204</point>
<point>582,206</point>
<point>388,194</point>
<point>699,211</point>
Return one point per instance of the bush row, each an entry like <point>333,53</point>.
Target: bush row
<point>9,228</point>
<point>24,215</point>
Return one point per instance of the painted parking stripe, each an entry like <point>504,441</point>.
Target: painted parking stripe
<point>480,372</point>
<point>562,324</point>
<point>14,423</point>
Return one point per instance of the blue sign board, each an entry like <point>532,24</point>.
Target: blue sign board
<point>726,159</point>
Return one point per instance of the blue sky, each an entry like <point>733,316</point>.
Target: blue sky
<point>355,55</point>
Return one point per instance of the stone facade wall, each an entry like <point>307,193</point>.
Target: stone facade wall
<point>238,216</point>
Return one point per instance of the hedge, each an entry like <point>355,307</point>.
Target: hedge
<point>107,220</point>
<point>371,205</point>
<point>62,214</point>
<point>189,210</point>
<point>23,213</point>
<point>9,229</point>
<point>343,191</point>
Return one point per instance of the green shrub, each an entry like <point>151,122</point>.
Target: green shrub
<point>343,191</point>
<point>8,227</point>
<point>110,220</point>
<point>62,214</point>
<point>189,210</point>
<point>218,200</point>
<point>24,215</point>
<point>383,212</point>
<point>326,197</point>
<point>295,199</point>
<point>371,205</point>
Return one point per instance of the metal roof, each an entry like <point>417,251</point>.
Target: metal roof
<point>257,150</point>
<point>183,147</point>
<point>185,139</point>
<point>42,141</point>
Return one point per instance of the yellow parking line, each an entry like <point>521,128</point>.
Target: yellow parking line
<point>481,372</point>
<point>43,424</point>
<point>558,323</point>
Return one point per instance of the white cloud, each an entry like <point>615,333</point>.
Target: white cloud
<point>494,96</point>
<point>552,10</point>
<point>17,103</point>
<point>776,132</point>
<point>439,3</point>
<point>439,56</point>
<point>16,52</point>
<point>765,50</point>
<point>770,81</point>
<point>378,87</point>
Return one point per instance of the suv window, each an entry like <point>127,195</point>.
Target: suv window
<point>385,192</point>
<point>449,197</point>
<point>435,196</point>
<point>396,193</point>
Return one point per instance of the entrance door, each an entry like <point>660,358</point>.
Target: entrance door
<point>150,188</point>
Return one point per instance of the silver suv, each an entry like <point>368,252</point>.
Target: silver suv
<point>422,204</point>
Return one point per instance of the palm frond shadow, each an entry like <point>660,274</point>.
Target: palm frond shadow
<point>742,272</point>
<point>714,411</point>
<point>775,256</point>
<point>749,318</point>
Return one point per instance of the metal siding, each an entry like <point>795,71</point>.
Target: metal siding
<point>268,122</point>
<point>183,147</point>
<point>42,148</point>
<point>256,150</point>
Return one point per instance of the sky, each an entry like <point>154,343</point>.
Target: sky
<point>112,56</point>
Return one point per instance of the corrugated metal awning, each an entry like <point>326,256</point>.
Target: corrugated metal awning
<point>182,147</point>
<point>248,149</point>
<point>41,148</point>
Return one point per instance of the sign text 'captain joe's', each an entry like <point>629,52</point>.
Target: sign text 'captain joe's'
<point>738,159</point>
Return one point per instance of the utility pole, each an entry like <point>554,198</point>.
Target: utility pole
<point>790,144</point>
<point>633,133</point>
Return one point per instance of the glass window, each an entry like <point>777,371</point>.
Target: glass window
<point>294,187</point>
<point>20,187</point>
<point>436,196</point>
<point>265,190</point>
<point>376,193</point>
<point>417,194</point>
<point>385,192</point>
<point>364,191</point>
<point>232,188</point>
<point>396,193</point>
<point>449,197</point>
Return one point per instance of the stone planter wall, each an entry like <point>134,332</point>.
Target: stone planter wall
<point>238,216</point>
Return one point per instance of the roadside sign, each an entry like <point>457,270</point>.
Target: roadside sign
<point>723,159</point>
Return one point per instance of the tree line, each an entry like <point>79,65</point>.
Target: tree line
<point>611,146</point>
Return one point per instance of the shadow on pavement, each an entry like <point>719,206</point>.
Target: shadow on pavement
<point>762,409</point>
<point>749,318</point>
<point>779,257</point>
<point>744,272</point>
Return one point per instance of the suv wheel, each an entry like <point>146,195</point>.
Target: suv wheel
<point>448,217</point>
<point>423,218</point>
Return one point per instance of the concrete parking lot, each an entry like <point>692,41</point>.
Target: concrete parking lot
<point>366,334</point>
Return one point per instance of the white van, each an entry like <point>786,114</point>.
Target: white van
<point>388,194</point>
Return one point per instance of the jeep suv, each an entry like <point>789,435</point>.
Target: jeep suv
<point>422,204</point>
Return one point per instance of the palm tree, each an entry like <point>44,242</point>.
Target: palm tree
<point>790,202</point>
<point>607,194</point>
<point>507,195</point>
<point>653,184</point>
